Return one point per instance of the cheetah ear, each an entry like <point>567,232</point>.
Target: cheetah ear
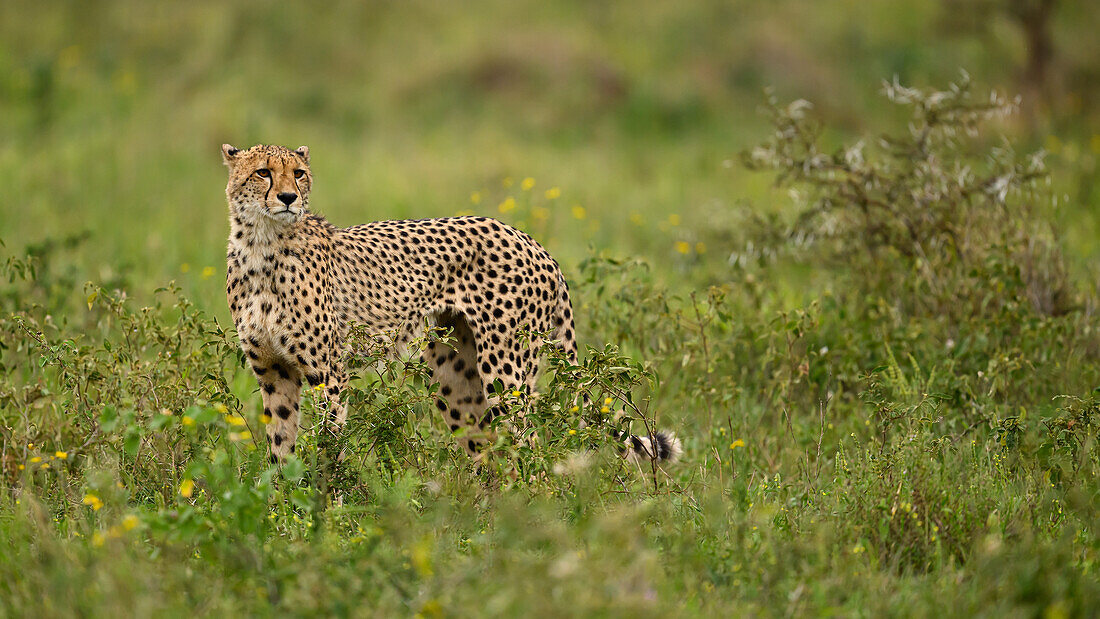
<point>229,154</point>
<point>303,152</point>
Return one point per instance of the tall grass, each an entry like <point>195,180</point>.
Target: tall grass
<point>917,435</point>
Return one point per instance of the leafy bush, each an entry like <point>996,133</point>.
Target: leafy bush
<point>914,434</point>
<point>968,228</point>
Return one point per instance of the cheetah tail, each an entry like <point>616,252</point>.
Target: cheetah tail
<point>662,446</point>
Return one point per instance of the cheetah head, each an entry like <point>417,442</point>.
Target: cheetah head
<point>268,181</point>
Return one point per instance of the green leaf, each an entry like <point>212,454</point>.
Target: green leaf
<point>293,469</point>
<point>300,499</point>
<point>159,421</point>
<point>206,415</point>
<point>132,441</point>
<point>108,419</point>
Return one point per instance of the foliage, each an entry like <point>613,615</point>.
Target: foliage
<point>916,433</point>
<point>952,218</point>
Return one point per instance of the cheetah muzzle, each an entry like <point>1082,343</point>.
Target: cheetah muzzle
<point>295,283</point>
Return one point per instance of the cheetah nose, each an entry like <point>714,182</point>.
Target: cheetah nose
<point>287,198</point>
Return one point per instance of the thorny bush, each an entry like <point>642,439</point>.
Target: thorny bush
<point>929,202</point>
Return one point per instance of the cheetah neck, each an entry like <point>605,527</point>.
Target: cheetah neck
<point>253,233</point>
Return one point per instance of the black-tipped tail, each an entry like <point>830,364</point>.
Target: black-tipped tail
<point>661,446</point>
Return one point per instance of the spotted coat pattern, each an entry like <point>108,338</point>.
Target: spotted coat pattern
<point>295,283</point>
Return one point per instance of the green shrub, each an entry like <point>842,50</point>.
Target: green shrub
<point>966,227</point>
<point>896,438</point>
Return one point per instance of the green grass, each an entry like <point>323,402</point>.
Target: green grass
<point>868,430</point>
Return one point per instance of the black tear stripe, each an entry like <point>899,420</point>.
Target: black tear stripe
<point>270,181</point>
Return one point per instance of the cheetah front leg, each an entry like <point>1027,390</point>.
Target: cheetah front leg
<point>280,387</point>
<point>327,379</point>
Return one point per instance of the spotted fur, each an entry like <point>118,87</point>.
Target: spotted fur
<point>295,283</point>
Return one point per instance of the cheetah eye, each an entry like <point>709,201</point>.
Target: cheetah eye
<point>299,173</point>
<point>264,172</point>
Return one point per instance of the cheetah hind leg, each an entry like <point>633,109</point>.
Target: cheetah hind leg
<point>461,397</point>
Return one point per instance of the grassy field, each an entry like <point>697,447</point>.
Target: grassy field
<point>872,320</point>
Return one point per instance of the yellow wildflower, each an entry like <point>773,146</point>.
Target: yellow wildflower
<point>579,212</point>
<point>737,443</point>
<point>207,272</point>
<point>683,247</point>
<point>527,184</point>
<point>220,408</point>
<point>60,455</point>
<point>92,501</point>
<point>184,268</point>
<point>508,204</point>
<point>607,401</point>
<point>187,488</point>
<point>605,409</point>
<point>187,421</point>
<point>235,420</point>
<point>97,539</point>
<point>553,193</point>
<point>574,409</point>
<point>700,247</point>
<point>45,465</point>
<point>475,197</point>
<point>674,220</point>
<point>516,393</point>
<point>130,522</point>
<point>35,460</point>
<point>571,431</point>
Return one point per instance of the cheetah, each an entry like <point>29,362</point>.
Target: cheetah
<point>295,283</point>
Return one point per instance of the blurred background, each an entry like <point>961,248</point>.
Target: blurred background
<point>609,126</point>
<point>890,410</point>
